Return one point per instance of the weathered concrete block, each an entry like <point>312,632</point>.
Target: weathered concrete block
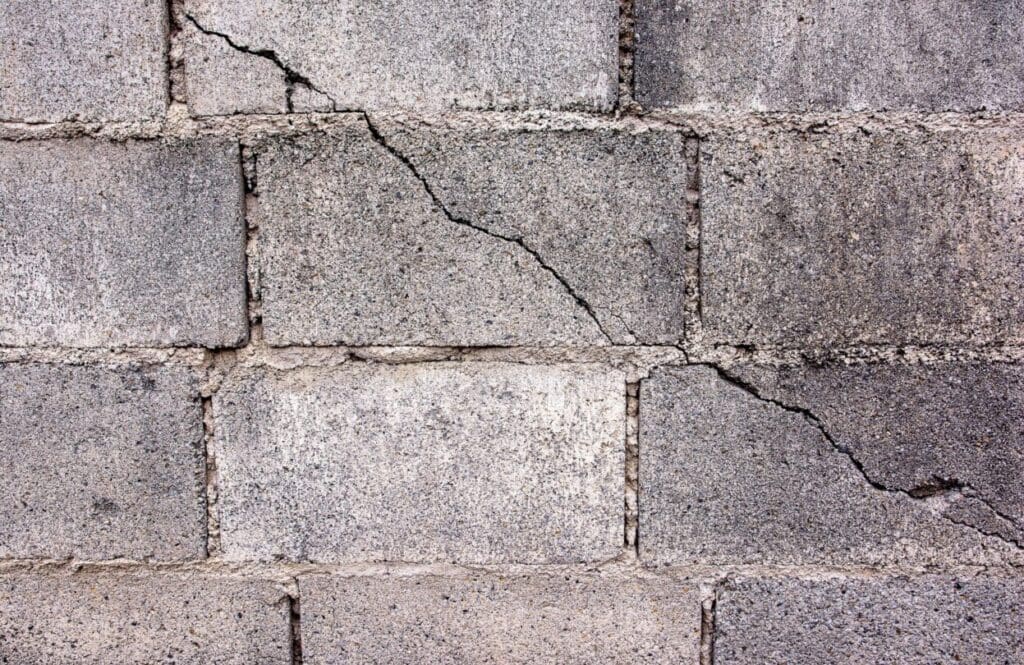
<point>474,462</point>
<point>83,60</point>
<point>425,56</point>
<point>949,430</point>
<point>222,80</point>
<point>564,619</point>
<point>548,238</point>
<point>142,618</point>
<point>121,244</point>
<point>101,463</point>
<point>727,477</point>
<point>846,239</point>
<point>909,621</point>
<point>797,55</point>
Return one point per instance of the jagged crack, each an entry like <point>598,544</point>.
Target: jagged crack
<point>936,487</point>
<point>383,142</point>
<point>291,77</point>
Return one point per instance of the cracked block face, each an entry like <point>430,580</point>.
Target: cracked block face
<point>885,620</point>
<point>428,56</point>
<point>729,478</point>
<point>922,429</point>
<point>106,244</point>
<point>100,463</point>
<point>442,462</point>
<point>809,55</point>
<point>76,60</point>
<point>465,238</point>
<point>910,238</point>
<point>539,620</point>
<point>142,618</point>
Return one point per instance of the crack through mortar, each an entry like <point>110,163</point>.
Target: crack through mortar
<point>295,624</point>
<point>937,487</point>
<point>293,77</point>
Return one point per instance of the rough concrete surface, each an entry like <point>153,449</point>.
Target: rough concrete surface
<point>496,619</point>
<point>142,619</point>
<point>798,55</point>
<point>888,621</point>
<point>949,429</point>
<point>729,478</point>
<point>82,60</point>
<point>842,239</point>
<point>389,463</point>
<point>428,56</point>
<point>101,463</point>
<point>138,243</point>
<point>476,238</point>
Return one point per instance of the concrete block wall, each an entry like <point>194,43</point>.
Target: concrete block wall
<point>512,331</point>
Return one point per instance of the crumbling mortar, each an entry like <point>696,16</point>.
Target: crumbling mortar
<point>708,606</point>
<point>938,486</point>
<point>632,488</point>
<point>626,103</point>
<point>210,490</point>
<point>295,623</point>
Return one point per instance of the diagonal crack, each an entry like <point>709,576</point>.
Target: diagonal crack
<point>936,487</point>
<point>291,77</point>
<point>379,138</point>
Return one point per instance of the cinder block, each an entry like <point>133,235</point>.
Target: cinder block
<point>101,463</point>
<point>107,244</point>
<point>953,431</point>
<point>563,619</point>
<point>910,621</point>
<point>463,462</point>
<point>432,56</point>
<point>799,55</point>
<point>727,477</point>
<point>546,237</point>
<point>890,238</point>
<point>76,60</point>
<point>142,618</point>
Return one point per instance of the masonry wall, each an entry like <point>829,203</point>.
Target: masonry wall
<point>512,331</point>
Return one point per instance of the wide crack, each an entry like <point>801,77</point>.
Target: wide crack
<point>936,487</point>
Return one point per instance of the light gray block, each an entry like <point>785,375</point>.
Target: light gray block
<point>142,618</point>
<point>910,238</point>
<point>355,251</point>
<point>472,463</point>
<point>888,621</point>
<point>106,244</point>
<point>729,478</point>
<point>797,55</point>
<point>496,54</point>
<point>75,60</point>
<point>101,463</point>
<point>563,619</point>
<point>955,429</point>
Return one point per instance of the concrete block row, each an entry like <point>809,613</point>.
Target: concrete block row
<point>191,618</point>
<point>66,61</point>
<point>516,238</point>
<point>486,463</point>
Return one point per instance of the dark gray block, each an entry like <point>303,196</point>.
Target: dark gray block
<point>101,463</point>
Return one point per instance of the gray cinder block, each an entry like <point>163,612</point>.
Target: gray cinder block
<point>472,463</point>
<point>101,463</point>
<point>107,244</point>
<point>814,55</point>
